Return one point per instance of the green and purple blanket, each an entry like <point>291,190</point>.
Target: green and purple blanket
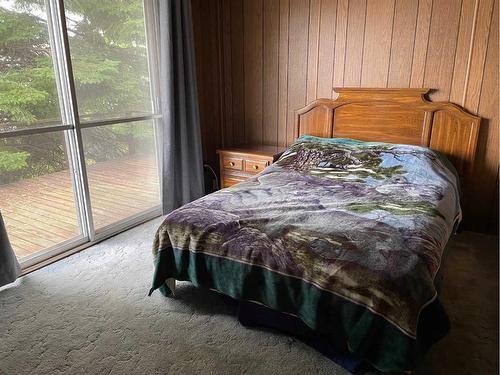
<point>346,235</point>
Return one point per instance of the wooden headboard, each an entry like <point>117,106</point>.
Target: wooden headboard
<point>394,116</point>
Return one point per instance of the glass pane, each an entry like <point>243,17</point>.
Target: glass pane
<point>36,192</point>
<point>28,94</point>
<point>108,50</point>
<point>122,172</point>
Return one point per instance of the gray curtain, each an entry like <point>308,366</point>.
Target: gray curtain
<point>9,266</point>
<point>182,161</point>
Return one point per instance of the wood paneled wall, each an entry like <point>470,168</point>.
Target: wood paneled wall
<point>267,58</point>
<point>208,47</point>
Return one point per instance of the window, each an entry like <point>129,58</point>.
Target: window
<point>78,121</point>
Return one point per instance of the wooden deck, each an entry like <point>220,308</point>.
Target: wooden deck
<point>40,212</point>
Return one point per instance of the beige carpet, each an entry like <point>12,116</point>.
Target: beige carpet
<point>89,314</point>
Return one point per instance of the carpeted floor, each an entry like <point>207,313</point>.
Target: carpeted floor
<point>89,314</point>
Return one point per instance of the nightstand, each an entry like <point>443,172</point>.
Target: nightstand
<point>239,163</point>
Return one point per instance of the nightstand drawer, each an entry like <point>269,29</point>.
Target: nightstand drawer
<point>231,180</point>
<point>238,164</point>
<point>235,164</point>
<point>255,166</point>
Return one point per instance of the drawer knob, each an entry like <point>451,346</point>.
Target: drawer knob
<point>255,167</point>
<point>231,163</point>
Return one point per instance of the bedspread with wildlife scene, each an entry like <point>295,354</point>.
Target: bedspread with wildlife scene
<point>346,235</point>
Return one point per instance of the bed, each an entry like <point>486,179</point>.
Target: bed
<point>346,232</point>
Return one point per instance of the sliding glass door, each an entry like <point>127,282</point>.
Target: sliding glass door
<point>109,58</point>
<point>78,121</point>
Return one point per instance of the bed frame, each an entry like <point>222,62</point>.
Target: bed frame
<point>395,116</point>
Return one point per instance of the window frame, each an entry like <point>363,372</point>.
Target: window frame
<point>71,126</point>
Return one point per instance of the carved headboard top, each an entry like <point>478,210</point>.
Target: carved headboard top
<point>394,116</point>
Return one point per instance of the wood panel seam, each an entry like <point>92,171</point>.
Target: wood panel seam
<point>427,47</point>
<point>279,75</point>
<point>390,46</point>
<point>262,74</point>
<point>307,48</point>
<point>335,45</point>
<point>485,58</point>
<point>469,57</point>
<point>456,46</point>
<point>230,85</point>
<point>243,135</point>
<point>485,55</point>
<point>345,41</point>
<point>363,48</point>
<point>317,46</point>
<point>222,89</point>
<point>287,77</point>
<point>414,41</point>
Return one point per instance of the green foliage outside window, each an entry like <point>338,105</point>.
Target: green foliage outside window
<point>107,43</point>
